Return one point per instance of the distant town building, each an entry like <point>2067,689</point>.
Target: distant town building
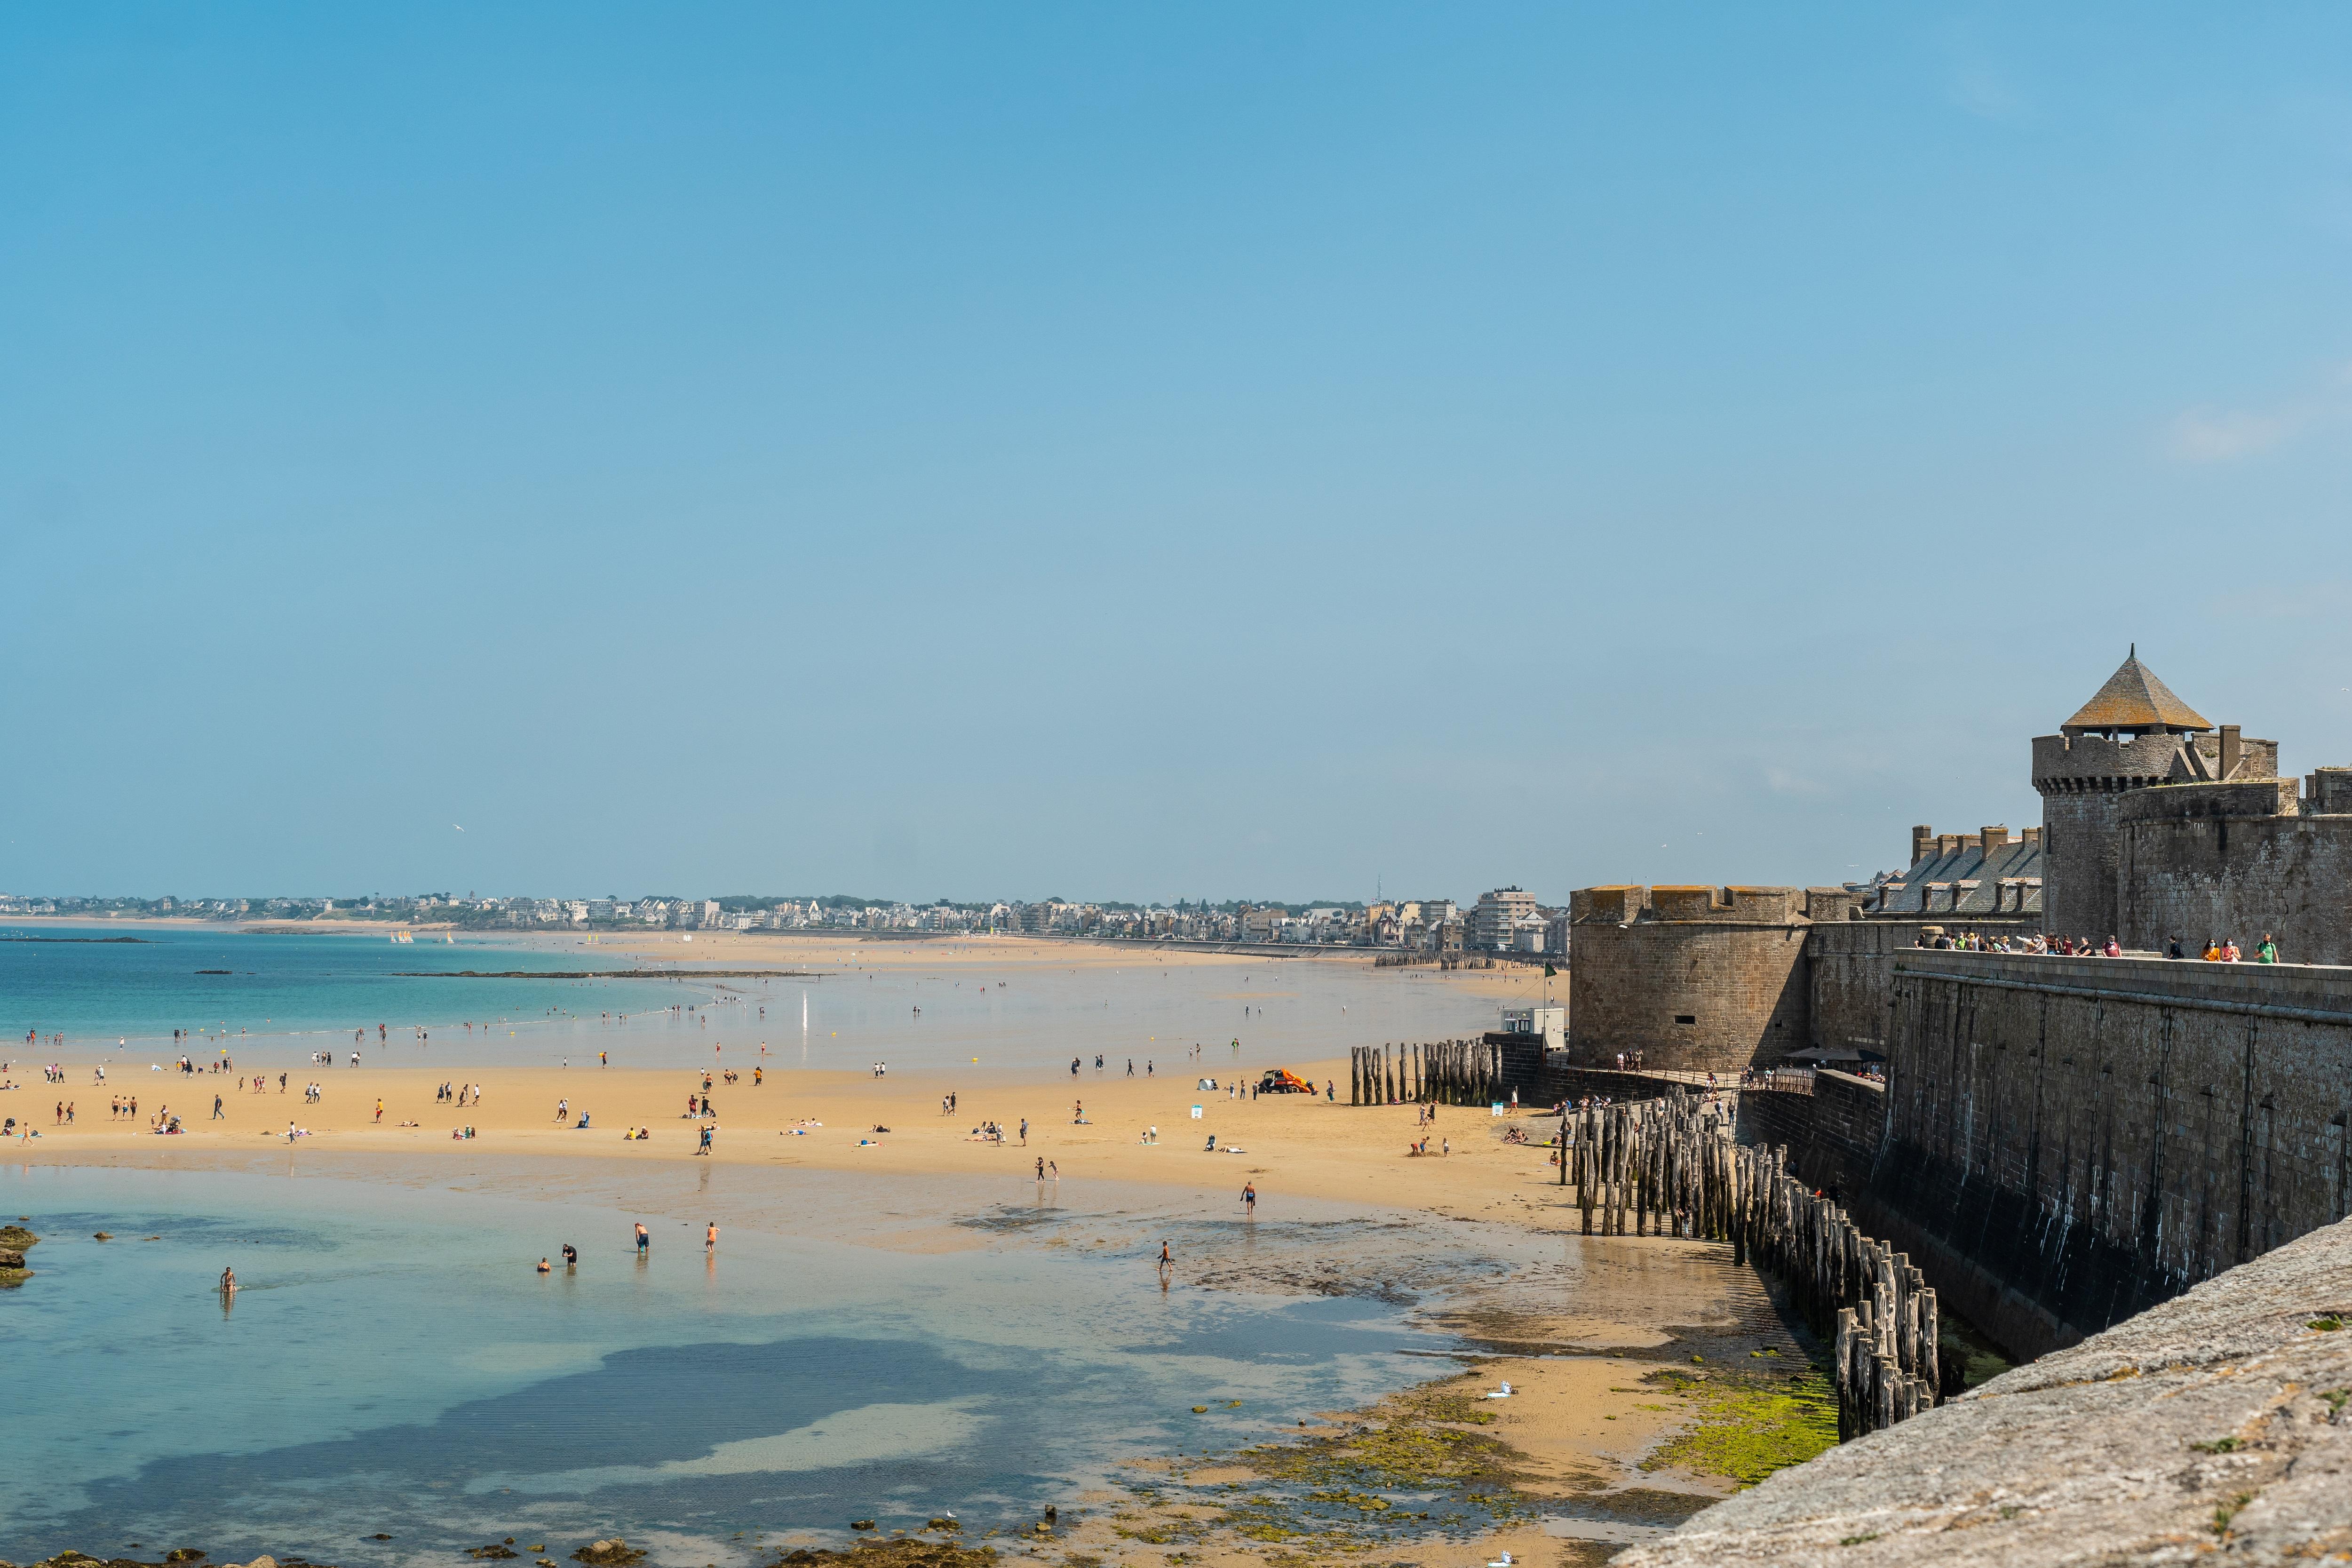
<point>1494,923</point>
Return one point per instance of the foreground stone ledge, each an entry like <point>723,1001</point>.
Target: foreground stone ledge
<point>2217,1426</point>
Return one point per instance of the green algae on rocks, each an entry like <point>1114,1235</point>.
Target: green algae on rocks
<point>1748,1425</point>
<point>1419,1465</point>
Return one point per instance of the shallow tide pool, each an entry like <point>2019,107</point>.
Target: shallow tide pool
<point>393,1365</point>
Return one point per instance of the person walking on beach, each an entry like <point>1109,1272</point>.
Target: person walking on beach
<point>1024,1132</point>
<point>216,1109</point>
<point>1249,1199</point>
<point>711,1235</point>
<point>1166,1262</point>
<point>644,1238</point>
<point>228,1282</point>
<point>1041,1167</point>
<point>379,1111</point>
<point>707,1131</point>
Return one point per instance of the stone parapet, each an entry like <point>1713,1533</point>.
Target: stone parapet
<point>2212,1425</point>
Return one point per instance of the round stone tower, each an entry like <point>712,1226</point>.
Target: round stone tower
<point>2133,734</point>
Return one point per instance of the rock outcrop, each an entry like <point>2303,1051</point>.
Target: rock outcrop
<point>2219,1421</point>
<point>13,1241</point>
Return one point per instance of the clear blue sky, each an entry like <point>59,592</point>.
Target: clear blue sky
<point>1143,451</point>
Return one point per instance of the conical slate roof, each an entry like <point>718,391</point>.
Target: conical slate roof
<point>2134,699</point>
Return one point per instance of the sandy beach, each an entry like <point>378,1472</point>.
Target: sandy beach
<point>1589,1430</point>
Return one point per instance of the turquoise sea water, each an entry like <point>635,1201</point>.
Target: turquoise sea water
<point>282,998</point>
<point>289,994</point>
<point>394,1366</point>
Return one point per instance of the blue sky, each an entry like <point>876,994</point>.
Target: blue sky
<point>1143,452</point>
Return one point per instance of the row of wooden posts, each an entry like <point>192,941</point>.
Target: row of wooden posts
<point>1448,1072</point>
<point>1670,1167</point>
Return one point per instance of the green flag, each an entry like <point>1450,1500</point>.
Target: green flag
<point>1549,972</point>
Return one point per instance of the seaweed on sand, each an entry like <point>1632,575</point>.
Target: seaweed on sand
<point>1748,1424</point>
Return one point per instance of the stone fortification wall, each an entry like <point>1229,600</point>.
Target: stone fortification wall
<point>1833,1134</point>
<point>1695,978</point>
<point>1850,971</point>
<point>2210,1428</point>
<point>2236,859</point>
<point>2070,1140</point>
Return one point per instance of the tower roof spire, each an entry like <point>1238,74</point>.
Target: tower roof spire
<point>2134,699</point>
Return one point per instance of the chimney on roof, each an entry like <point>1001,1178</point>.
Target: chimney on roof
<point>1994,838</point>
<point>1923,840</point>
<point>2028,835</point>
<point>2230,749</point>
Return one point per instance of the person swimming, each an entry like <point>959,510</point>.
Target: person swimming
<point>543,1267</point>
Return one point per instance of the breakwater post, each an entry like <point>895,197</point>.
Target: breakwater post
<point>1450,1072</point>
<point>1670,1165</point>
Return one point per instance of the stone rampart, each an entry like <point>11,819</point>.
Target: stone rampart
<point>1833,1134</point>
<point>1850,966</point>
<point>1696,979</point>
<point>2071,1141</point>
